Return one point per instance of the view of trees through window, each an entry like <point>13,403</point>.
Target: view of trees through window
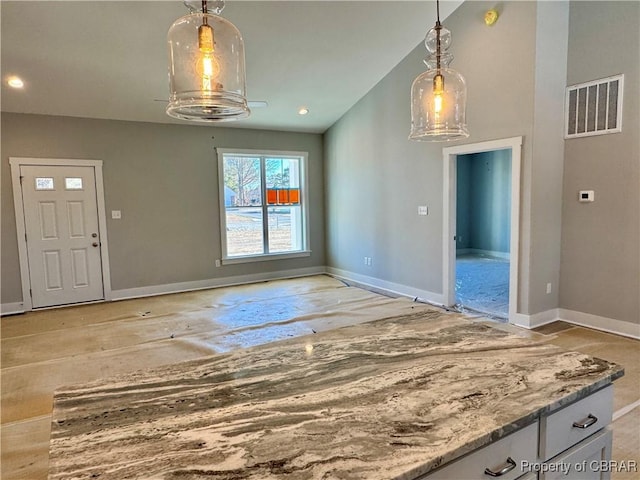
<point>262,199</point>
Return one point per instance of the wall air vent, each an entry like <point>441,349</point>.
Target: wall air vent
<point>594,108</point>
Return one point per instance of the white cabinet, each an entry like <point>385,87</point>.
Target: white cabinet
<point>586,461</point>
<point>572,443</point>
<point>572,424</point>
<point>503,457</point>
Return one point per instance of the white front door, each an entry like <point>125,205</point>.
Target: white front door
<point>62,234</point>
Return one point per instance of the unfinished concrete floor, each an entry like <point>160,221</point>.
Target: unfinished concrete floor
<point>44,350</point>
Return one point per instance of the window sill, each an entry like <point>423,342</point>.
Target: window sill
<point>264,258</point>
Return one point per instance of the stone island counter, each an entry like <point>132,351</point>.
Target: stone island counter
<point>396,398</point>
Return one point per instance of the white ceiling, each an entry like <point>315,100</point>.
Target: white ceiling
<point>108,59</point>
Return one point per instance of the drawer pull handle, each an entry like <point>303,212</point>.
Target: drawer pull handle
<point>587,422</point>
<point>506,467</point>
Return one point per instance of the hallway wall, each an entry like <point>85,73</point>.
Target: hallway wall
<point>483,208</point>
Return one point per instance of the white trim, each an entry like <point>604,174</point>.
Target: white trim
<point>581,319</point>
<point>154,290</point>
<point>392,288</point>
<point>16,163</point>
<point>11,308</point>
<point>604,324</point>
<point>264,258</point>
<point>449,155</point>
<point>102,225</point>
<point>21,233</point>
<point>624,410</point>
<point>536,320</point>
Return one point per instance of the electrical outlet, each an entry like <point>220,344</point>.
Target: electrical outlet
<point>548,288</point>
<point>217,262</point>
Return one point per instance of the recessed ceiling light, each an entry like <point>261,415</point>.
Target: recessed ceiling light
<point>303,111</point>
<point>15,82</point>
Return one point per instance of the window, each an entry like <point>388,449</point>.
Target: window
<point>263,205</point>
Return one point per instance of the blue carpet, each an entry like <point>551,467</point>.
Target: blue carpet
<point>482,284</point>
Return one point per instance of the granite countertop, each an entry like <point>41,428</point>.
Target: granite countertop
<point>390,399</point>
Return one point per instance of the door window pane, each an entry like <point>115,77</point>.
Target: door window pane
<point>73,183</point>
<point>44,183</point>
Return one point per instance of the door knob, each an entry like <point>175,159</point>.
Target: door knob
<point>95,244</point>
<point>94,235</point>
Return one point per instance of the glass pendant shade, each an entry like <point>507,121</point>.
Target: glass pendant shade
<point>206,69</point>
<point>439,95</point>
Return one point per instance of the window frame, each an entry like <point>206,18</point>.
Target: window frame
<point>304,203</point>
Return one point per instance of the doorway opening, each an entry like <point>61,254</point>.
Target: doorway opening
<point>481,227</point>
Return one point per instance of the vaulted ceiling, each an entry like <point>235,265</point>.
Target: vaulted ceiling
<point>108,59</point>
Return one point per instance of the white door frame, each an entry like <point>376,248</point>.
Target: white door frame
<point>449,155</point>
<point>16,163</point>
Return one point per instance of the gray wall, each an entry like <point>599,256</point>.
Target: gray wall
<point>483,207</point>
<point>376,178</point>
<point>164,179</point>
<point>600,270</point>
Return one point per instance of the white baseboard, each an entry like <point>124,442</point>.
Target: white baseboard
<point>595,322</point>
<point>153,290</point>
<point>392,288</point>
<point>609,325</point>
<point>535,320</point>
<point>11,308</point>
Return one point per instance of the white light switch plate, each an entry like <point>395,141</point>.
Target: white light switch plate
<point>116,214</point>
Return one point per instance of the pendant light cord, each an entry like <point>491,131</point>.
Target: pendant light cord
<point>438,28</point>
<point>204,12</point>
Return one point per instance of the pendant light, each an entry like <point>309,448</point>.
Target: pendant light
<point>206,66</point>
<point>439,95</point>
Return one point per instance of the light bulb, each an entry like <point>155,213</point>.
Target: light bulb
<point>437,103</point>
<point>207,67</point>
<point>438,91</point>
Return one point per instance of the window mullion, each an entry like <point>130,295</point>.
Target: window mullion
<point>265,211</point>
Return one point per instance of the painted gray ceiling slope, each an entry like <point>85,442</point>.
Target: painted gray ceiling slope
<point>108,59</point>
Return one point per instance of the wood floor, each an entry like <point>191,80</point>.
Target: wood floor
<point>44,350</point>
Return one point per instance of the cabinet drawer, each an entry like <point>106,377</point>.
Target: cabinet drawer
<point>568,426</point>
<point>518,447</point>
<point>584,461</point>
